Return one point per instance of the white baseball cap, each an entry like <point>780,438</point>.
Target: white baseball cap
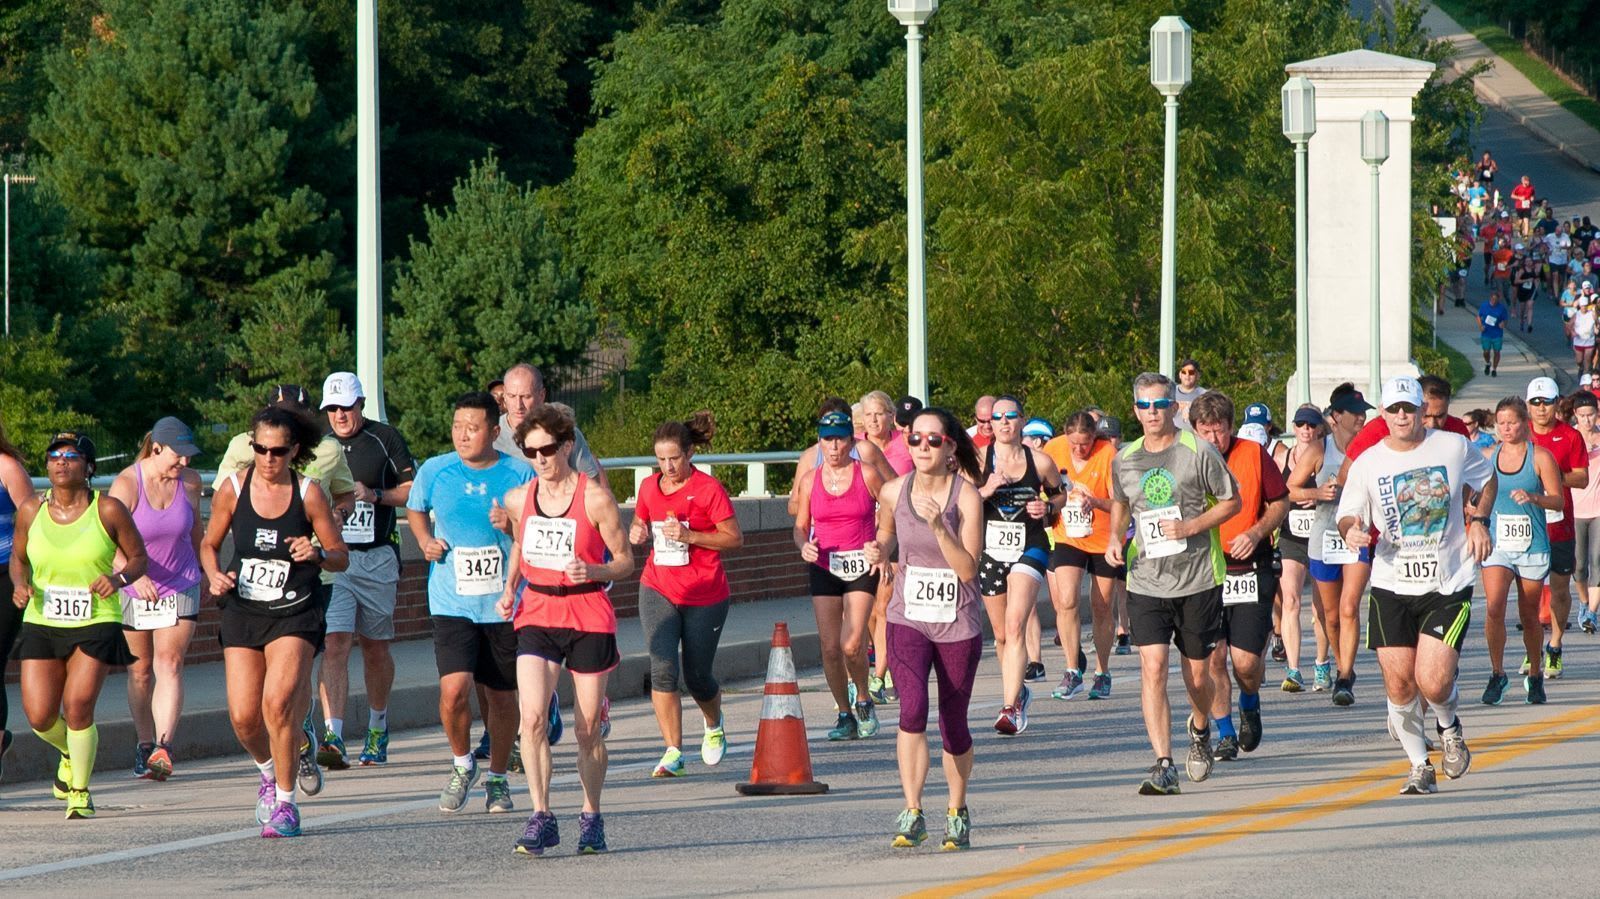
<point>1255,432</point>
<point>1543,389</point>
<point>342,388</point>
<point>1585,381</point>
<point>1404,389</point>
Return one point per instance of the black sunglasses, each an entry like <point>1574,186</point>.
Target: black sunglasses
<point>548,450</point>
<point>1541,401</point>
<point>276,452</point>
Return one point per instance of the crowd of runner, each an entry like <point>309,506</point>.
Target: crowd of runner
<point>1197,532</point>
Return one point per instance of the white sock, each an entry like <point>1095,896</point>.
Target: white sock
<point>1446,711</point>
<point>285,795</point>
<point>463,761</point>
<point>266,769</point>
<point>336,726</point>
<point>1407,722</point>
<point>378,719</point>
<point>497,775</point>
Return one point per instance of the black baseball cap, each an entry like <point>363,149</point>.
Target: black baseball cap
<point>1351,402</point>
<point>289,396</point>
<point>171,432</point>
<point>75,439</point>
<point>906,410</point>
<point>1109,427</point>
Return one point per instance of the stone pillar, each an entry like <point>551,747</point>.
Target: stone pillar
<point>1339,217</point>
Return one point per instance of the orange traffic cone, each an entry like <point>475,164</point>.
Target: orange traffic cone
<point>782,764</point>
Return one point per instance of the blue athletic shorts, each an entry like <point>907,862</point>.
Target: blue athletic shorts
<point>1327,574</point>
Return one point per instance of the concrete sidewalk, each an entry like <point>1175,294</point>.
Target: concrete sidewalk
<point>205,730</point>
<point>1519,362</point>
<point>1507,89</point>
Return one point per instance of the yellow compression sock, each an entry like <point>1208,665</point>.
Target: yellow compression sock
<point>84,745</point>
<point>56,736</point>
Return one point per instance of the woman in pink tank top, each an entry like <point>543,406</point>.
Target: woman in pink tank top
<point>837,517</point>
<point>159,610</point>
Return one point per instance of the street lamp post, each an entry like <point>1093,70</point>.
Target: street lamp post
<point>11,179</point>
<point>1374,150</point>
<point>913,14</point>
<point>369,259</point>
<point>1299,124</point>
<point>1171,58</point>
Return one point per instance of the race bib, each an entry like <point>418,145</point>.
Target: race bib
<point>1417,570</point>
<point>1300,522</point>
<point>1555,516</point>
<point>849,565</point>
<point>668,553</point>
<point>931,594</point>
<point>1337,552</point>
<point>548,542</point>
<point>1153,544</point>
<point>155,614</point>
<point>1241,589</point>
<point>480,570</point>
<point>262,580</point>
<point>358,528</point>
<point>1490,321</point>
<point>68,603</point>
<point>1077,522</point>
<point>1003,540</point>
<point>1513,533</point>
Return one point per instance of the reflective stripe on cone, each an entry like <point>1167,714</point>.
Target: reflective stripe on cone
<point>782,764</point>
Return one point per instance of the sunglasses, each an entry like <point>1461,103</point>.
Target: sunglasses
<point>1008,416</point>
<point>547,451</point>
<point>1541,401</point>
<point>348,408</point>
<point>276,452</point>
<point>1162,403</point>
<point>934,440</point>
<point>67,455</point>
<point>1396,408</point>
<point>1190,371</point>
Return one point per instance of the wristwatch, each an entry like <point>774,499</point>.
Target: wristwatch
<point>1480,519</point>
<point>377,496</point>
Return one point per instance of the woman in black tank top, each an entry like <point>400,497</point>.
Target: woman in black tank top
<point>272,606</point>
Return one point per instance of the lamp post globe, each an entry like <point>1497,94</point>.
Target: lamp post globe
<point>1171,55</point>
<point>1299,126</point>
<point>1171,69</point>
<point>1299,109</point>
<point>913,12</point>
<point>1374,137</point>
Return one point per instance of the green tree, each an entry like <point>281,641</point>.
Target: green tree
<point>487,288</point>
<point>177,135</point>
<point>28,33</point>
<point>31,407</point>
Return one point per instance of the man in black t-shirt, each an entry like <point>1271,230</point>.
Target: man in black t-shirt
<point>364,594</point>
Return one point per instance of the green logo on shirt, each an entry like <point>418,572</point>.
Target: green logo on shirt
<point>1159,487</point>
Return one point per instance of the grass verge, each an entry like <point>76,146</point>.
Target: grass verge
<point>1537,70</point>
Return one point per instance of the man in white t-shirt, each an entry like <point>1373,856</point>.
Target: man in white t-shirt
<point>1429,494</point>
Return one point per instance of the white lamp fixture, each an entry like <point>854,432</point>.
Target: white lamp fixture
<point>1171,55</point>
<point>1299,109</point>
<point>1374,137</point>
<point>913,12</point>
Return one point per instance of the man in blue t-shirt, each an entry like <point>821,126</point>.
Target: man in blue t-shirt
<point>1491,327</point>
<point>469,554</point>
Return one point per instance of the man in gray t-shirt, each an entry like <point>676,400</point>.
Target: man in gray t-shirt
<point>1176,490</point>
<point>524,389</point>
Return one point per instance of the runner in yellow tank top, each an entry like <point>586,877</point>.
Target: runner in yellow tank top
<point>61,564</point>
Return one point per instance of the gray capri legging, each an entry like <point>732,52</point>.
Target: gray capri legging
<point>1587,549</point>
<point>696,629</point>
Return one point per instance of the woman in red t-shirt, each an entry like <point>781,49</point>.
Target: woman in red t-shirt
<point>686,516</point>
<point>566,524</point>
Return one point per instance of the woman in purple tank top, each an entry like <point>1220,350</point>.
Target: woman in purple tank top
<point>837,506</point>
<point>935,518</point>
<point>159,610</point>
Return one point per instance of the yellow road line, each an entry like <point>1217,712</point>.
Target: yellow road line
<point>1303,803</point>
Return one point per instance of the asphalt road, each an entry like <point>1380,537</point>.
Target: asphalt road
<point>1314,810</point>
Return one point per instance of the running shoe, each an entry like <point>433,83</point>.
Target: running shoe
<point>59,787</point>
<point>160,762</point>
<point>1249,729</point>
<point>1535,688</point>
<point>1457,757</point>
<point>1022,710</point>
<point>890,694</point>
<point>714,745</point>
<point>375,751</point>
<point>330,754</point>
<point>1162,780</point>
<point>1552,663</point>
<point>285,822</point>
<point>1280,653</point>
<point>1525,668</point>
<point>1292,682</point>
<point>1587,621</point>
<point>1322,677</point>
<point>1227,750</point>
<point>866,719</point>
<point>910,830</point>
<point>497,795</point>
<point>1122,645</point>
<point>1198,764</point>
<point>1006,722</point>
<point>1421,782</point>
<point>540,834</point>
<point>266,798</point>
<point>845,729</point>
<point>308,776</point>
<point>605,717</point>
<point>1496,691</point>
<point>957,830</point>
<point>876,690</point>
<point>1102,686</point>
<point>1344,692</point>
<point>482,752</point>
<point>80,805</point>
<point>1071,686</point>
<point>454,795</point>
<point>6,739</point>
<point>1034,672</point>
<point>141,759</point>
<point>671,764</point>
<point>553,725</point>
<point>591,833</point>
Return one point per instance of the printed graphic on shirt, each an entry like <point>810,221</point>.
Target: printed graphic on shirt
<point>1416,505</point>
<point>1159,487</point>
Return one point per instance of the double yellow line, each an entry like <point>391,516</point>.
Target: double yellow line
<point>1120,854</point>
